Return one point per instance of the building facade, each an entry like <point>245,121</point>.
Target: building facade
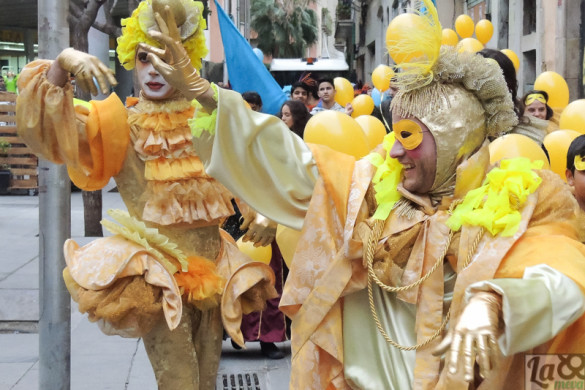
<point>547,35</point>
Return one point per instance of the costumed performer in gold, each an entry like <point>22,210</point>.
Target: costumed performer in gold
<point>168,274</point>
<point>420,266</point>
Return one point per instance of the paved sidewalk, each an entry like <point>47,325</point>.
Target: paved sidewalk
<point>97,361</point>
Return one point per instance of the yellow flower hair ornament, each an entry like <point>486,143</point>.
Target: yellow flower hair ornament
<point>495,205</point>
<point>386,179</point>
<point>135,30</point>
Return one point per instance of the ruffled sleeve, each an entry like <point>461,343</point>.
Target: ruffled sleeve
<point>45,117</point>
<point>62,133</point>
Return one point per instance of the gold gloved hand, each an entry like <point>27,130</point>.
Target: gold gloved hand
<point>84,68</point>
<point>261,230</point>
<point>474,337</point>
<point>173,62</point>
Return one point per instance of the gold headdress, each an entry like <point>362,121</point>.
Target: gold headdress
<point>461,97</point>
<point>189,17</point>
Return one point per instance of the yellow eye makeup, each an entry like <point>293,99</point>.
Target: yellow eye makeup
<point>535,97</point>
<point>408,133</point>
<point>580,163</point>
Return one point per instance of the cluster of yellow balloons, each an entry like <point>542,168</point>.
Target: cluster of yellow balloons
<point>484,29</point>
<point>356,137</point>
<point>571,123</point>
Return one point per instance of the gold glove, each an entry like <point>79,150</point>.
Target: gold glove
<point>261,230</point>
<point>85,68</point>
<point>474,337</point>
<point>173,62</point>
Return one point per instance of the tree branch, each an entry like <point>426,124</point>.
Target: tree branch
<point>107,28</point>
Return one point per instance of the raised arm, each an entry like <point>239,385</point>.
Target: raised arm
<point>254,155</point>
<point>56,130</point>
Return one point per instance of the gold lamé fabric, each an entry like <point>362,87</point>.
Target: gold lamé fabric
<point>328,266</point>
<point>458,128</point>
<point>57,131</point>
<point>254,154</point>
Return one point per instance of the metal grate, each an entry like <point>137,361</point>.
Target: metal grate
<point>242,381</point>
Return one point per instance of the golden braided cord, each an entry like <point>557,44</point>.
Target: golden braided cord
<point>372,241</point>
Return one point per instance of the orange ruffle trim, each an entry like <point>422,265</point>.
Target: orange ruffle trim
<point>201,286</point>
<point>172,143</point>
<point>187,201</point>
<point>177,169</point>
<point>161,121</point>
<point>162,133</point>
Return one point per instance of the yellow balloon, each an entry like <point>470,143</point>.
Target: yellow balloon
<point>555,85</point>
<point>338,131</point>
<point>373,128</point>
<point>449,37</point>
<point>263,254</point>
<point>557,144</point>
<point>362,105</point>
<point>381,77</point>
<point>513,57</point>
<point>399,30</point>
<point>343,91</point>
<point>484,29</point>
<point>287,240</point>
<point>573,116</point>
<point>464,26</point>
<point>469,45</point>
<point>516,145</point>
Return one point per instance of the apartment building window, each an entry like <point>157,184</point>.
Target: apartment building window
<point>529,67</point>
<point>529,20</point>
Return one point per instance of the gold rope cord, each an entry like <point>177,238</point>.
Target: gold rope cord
<point>374,237</point>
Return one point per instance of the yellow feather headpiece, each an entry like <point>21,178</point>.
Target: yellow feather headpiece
<point>414,43</point>
<point>135,30</point>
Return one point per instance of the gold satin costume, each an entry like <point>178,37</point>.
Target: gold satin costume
<point>335,343</point>
<point>127,282</point>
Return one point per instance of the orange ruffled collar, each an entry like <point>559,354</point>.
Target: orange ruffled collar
<point>158,117</point>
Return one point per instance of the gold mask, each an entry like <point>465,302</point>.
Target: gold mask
<point>408,133</point>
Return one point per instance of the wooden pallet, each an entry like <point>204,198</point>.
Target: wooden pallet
<point>23,163</point>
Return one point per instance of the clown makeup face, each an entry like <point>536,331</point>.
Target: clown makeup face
<point>419,158</point>
<point>536,109</point>
<point>153,85</point>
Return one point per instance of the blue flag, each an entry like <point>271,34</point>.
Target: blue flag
<point>246,71</point>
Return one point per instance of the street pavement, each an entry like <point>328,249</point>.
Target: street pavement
<point>98,361</point>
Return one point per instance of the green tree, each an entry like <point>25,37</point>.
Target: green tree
<point>285,27</point>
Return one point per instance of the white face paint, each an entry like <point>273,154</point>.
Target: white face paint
<point>153,85</point>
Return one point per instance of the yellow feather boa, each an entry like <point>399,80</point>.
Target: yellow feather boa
<point>386,179</point>
<point>495,205</point>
